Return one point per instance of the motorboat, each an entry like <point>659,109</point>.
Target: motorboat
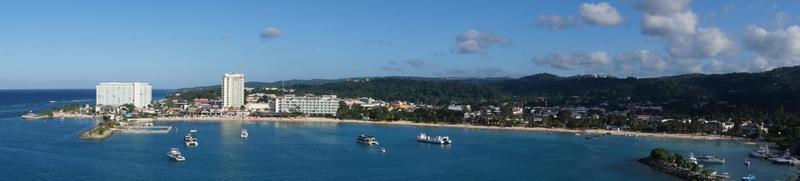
<point>383,150</point>
<point>749,178</point>
<point>437,139</point>
<point>366,139</point>
<point>190,140</point>
<point>244,134</point>
<point>175,155</point>
<point>711,160</point>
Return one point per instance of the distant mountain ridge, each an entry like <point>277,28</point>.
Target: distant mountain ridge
<point>777,89</point>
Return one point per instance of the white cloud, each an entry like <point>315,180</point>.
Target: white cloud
<point>473,41</point>
<point>663,7</point>
<point>706,42</point>
<point>270,33</point>
<point>600,14</point>
<point>777,48</point>
<point>557,22</point>
<point>641,62</point>
<point>676,24</point>
<point>569,61</point>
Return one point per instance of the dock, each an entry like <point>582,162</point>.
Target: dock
<point>147,129</point>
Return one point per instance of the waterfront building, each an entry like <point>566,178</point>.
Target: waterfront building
<point>233,90</point>
<point>307,104</point>
<point>118,94</point>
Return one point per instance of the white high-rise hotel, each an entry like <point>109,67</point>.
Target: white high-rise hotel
<point>233,90</point>
<point>117,94</point>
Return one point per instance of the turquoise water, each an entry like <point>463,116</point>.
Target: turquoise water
<point>51,150</point>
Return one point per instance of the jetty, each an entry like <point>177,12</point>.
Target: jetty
<point>147,129</point>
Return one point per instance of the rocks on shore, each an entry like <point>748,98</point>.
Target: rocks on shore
<point>674,169</point>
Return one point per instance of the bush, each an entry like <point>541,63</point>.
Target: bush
<point>660,154</point>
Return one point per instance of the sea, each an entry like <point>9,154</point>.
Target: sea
<point>50,149</point>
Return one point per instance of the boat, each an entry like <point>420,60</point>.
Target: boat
<point>190,140</point>
<point>366,139</point>
<point>723,175</point>
<point>760,152</point>
<point>706,159</point>
<point>193,131</point>
<point>383,150</point>
<point>176,155</point>
<point>785,159</point>
<point>747,163</point>
<point>51,101</point>
<point>244,134</point>
<point>711,160</point>
<point>437,139</point>
<point>749,178</point>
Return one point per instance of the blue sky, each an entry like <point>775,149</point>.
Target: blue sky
<point>173,44</point>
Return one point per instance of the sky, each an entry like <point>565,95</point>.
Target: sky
<point>174,44</point>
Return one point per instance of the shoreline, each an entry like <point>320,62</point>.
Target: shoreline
<point>465,126</point>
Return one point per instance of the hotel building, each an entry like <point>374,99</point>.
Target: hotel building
<point>233,90</point>
<point>308,104</point>
<point>117,94</point>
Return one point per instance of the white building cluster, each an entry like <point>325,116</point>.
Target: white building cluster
<point>117,94</point>
<point>233,90</point>
<point>307,104</point>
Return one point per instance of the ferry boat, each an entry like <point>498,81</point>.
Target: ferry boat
<point>175,155</point>
<point>366,139</point>
<point>437,140</point>
<point>244,134</point>
<point>190,140</point>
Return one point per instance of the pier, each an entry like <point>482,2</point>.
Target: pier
<point>147,129</point>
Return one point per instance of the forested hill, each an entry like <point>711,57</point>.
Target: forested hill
<point>774,90</point>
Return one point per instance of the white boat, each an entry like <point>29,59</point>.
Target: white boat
<point>383,150</point>
<point>760,152</point>
<point>437,139</point>
<point>193,131</point>
<point>723,175</point>
<point>706,159</point>
<point>175,155</point>
<point>749,178</point>
<point>366,139</point>
<point>51,101</point>
<point>190,140</point>
<point>244,134</point>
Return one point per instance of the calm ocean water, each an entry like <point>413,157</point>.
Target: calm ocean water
<point>51,150</point>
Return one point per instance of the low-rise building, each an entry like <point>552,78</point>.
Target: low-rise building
<point>307,104</point>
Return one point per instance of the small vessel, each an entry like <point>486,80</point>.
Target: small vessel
<point>750,177</point>
<point>437,140</point>
<point>711,160</point>
<point>723,175</point>
<point>51,101</point>
<point>577,134</point>
<point>193,131</point>
<point>175,155</point>
<point>760,152</point>
<point>190,140</point>
<point>366,139</point>
<point>383,150</point>
<point>706,159</point>
<point>785,159</point>
<point>747,163</point>
<point>244,134</point>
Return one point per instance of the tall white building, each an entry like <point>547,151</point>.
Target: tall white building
<point>117,94</point>
<point>324,104</point>
<point>233,90</point>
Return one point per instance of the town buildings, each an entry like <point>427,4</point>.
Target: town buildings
<point>233,90</point>
<point>306,104</point>
<point>118,94</point>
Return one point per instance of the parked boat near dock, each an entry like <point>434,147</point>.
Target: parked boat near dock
<point>190,140</point>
